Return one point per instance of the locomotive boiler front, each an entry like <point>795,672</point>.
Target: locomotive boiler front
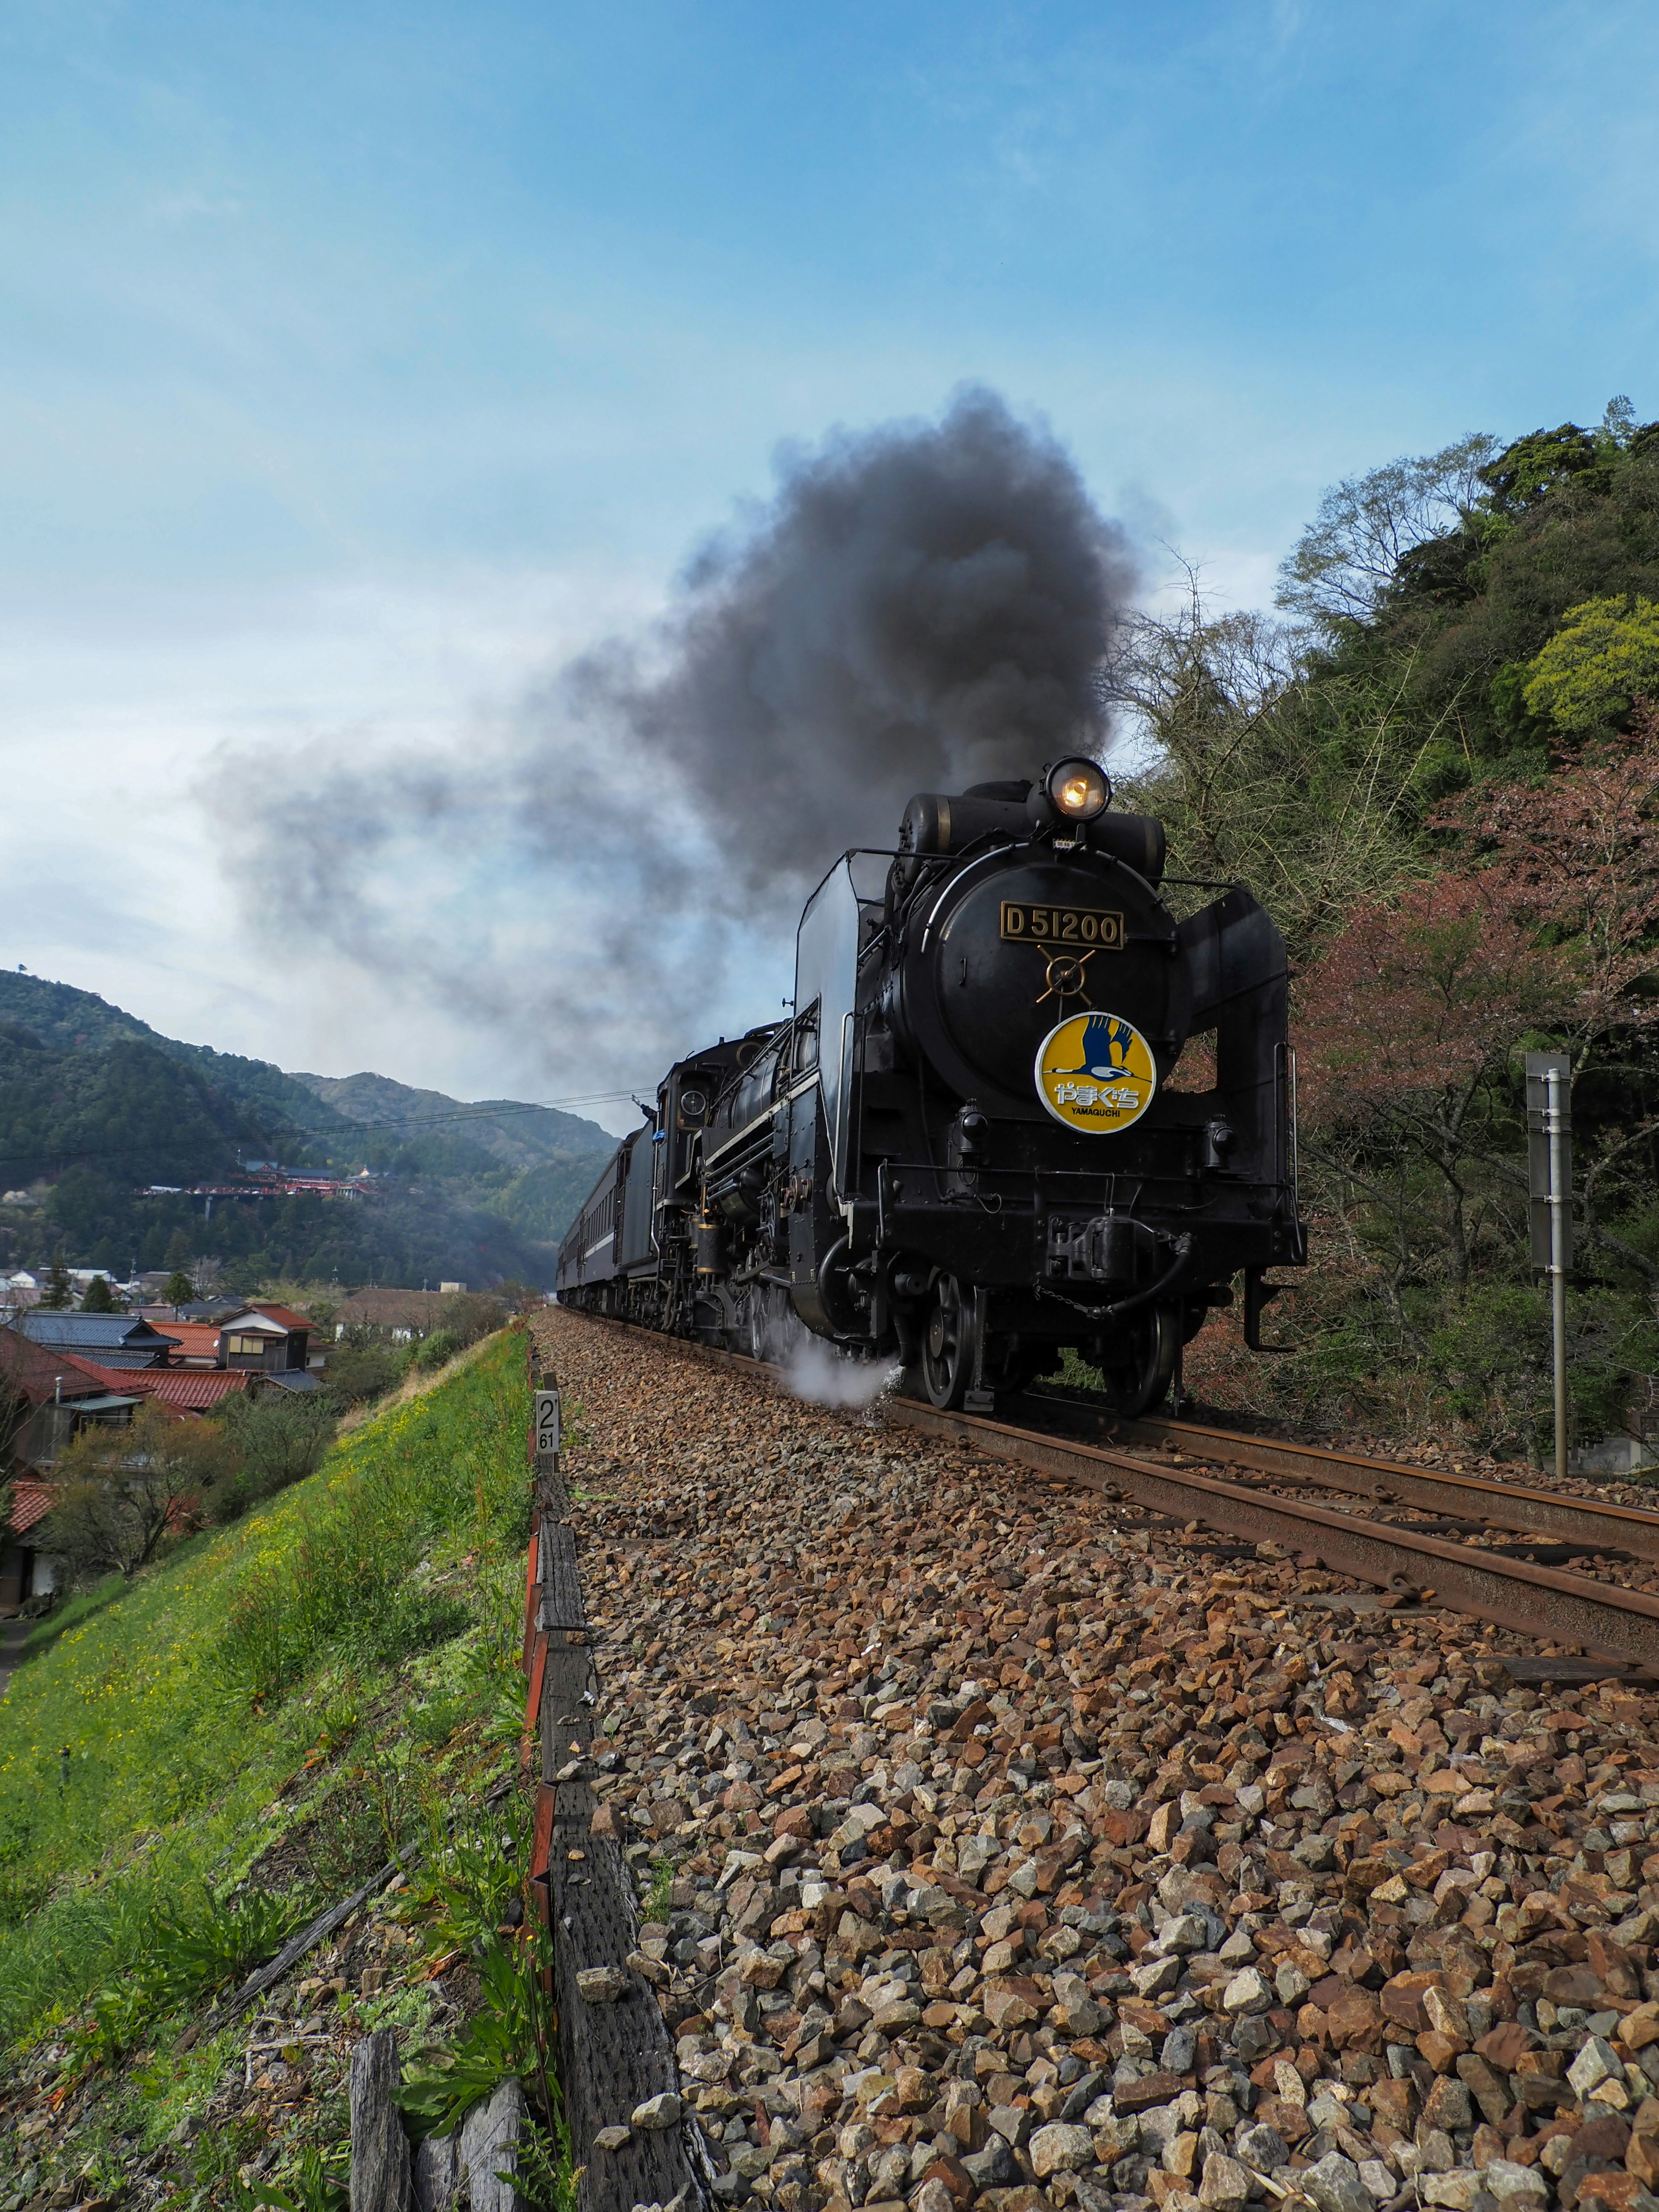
<point>1024,1172</point>
<point>1018,941</point>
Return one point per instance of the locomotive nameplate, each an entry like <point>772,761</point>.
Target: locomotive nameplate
<point>1095,1073</point>
<point>1024,922</point>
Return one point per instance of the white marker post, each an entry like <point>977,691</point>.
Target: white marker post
<point>1549,1162</point>
<point>547,1430</point>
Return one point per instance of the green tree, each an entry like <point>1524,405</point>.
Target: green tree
<point>123,1492</point>
<point>1603,657</point>
<point>1348,558</point>
<point>98,1298</point>
<point>59,1291</point>
<point>274,1439</point>
<point>179,1290</point>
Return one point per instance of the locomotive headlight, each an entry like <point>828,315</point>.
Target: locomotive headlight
<point>1080,789</point>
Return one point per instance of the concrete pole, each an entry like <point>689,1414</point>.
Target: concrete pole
<point>1555,1125</point>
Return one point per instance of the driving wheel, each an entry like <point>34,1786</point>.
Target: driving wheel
<point>948,1343</point>
<point>1152,1345</point>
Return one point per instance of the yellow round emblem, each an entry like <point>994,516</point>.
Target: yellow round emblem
<point>1095,1073</point>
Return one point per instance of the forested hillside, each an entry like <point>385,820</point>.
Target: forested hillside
<point>1440,767</point>
<point>94,1105</point>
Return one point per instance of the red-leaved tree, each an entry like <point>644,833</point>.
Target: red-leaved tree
<point>1403,1022</point>
<point>1578,855</point>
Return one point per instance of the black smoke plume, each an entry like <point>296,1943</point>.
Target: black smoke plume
<point>919,606</point>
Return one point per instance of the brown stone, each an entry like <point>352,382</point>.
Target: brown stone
<point>1447,2105</point>
<point>1643,2158</point>
<point>1619,2192</point>
<point>1503,2047</point>
<point>1441,2050</point>
<point>956,2179</point>
<point>1605,2137</point>
<point>1489,2088</point>
<point>1121,1828</point>
<point>1611,1965</point>
<point>1402,2000</point>
<point>1290,2120</point>
<point>1573,1985</point>
<point>1395,2101</point>
<point>1354,2019</point>
<point>1151,2089</point>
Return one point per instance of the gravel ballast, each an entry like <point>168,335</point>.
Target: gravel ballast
<point>997,1850</point>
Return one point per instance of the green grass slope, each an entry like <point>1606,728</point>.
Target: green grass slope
<point>191,1764</point>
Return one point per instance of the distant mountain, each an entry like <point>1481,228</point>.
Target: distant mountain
<point>550,1158</point>
<point>95,1105</point>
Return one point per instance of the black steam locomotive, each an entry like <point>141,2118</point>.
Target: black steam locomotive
<point>965,1150</point>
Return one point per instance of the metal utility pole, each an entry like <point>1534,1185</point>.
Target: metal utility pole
<point>1549,1160</point>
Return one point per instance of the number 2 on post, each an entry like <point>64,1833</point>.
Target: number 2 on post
<point>547,1422</point>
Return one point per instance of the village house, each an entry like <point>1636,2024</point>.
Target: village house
<point>115,1340</point>
<point>48,1396</point>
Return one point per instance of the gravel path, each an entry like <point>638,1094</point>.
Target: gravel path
<point>13,1635</point>
<point>1003,1852</point>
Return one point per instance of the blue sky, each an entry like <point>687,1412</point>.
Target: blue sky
<point>359,363</point>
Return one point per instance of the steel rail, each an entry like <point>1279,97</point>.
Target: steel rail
<point>1535,1601</point>
<point>1514,1505</point>
<point>1538,1602</point>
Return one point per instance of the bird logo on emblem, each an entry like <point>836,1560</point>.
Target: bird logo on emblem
<point>1106,1046</point>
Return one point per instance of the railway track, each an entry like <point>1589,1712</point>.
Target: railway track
<point>1173,1475</point>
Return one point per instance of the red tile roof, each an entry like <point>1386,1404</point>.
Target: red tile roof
<point>284,1317</point>
<point>36,1370</point>
<point>30,1502</point>
<point>199,1341</point>
<point>181,1389</point>
<point>194,1389</point>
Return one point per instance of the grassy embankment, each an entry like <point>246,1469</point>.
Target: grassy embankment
<point>287,1698</point>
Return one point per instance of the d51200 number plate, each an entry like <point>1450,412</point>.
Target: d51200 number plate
<point>1078,926</point>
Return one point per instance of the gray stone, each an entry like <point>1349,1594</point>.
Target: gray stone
<point>1180,2051</point>
<point>1458,2190</point>
<point>1011,2122</point>
<point>1247,1992</point>
<point>1187,1932</point>
<point>1262,2147</point>
<point>1597,2063</point>
<point>601,1984</point>
<point>1515,2184</point>
<point>1334,2185</point>
<point>662,2111</point>
<point>1060,2147</point>
<point>1082,2095</point>
<point>1225,2185</point>
<point>612,2138</point>
<point>1291,1983</point>
<point>1378,2176</point>
<point>995,2166</point>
